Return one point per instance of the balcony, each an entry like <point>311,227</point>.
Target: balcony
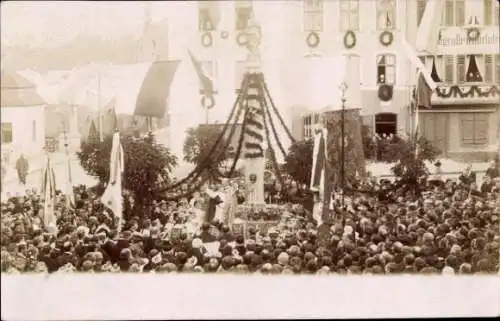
<point>458,40</point>
<point>469,93</point>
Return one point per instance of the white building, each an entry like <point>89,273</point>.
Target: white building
<point>22,116</point>
<point>372,29</point>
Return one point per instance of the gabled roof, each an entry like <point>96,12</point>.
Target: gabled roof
<point>17,91</point>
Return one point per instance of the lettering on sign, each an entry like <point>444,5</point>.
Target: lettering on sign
<point>460,40</point>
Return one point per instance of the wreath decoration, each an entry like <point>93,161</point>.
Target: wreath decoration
<point>207,102</point>
<point>224,34</point>
<point>312,39</point>
<point>241,39</point>
<point>349,39</point>
<point>473,34</point>
<point>386,38</point>
<point>206,40</point>
<point>385,92</point>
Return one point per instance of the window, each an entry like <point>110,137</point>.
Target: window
<point>6,133</point>
<point>313,15</point>
<point>454,13</point>
<point>420,10</point>
<point>386,69</point>
<point>33,131</point>
<point>461,68</point>
<point>488,68</point>
<point>386,14</point>
<point>207,16</point>
<point>349,15</point>
<point>448,68</point>
<point>474,129</point>
<point>491,12</point>
<point>244,12</point>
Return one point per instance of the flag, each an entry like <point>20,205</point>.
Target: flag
<point>207,87</point>
<point>70,196</point>
<point>319,162</point>
<point>423,92</point>
<point>411,55</point>
<point>112,196</point>
<point>428,30</point>
<point>49,192</point>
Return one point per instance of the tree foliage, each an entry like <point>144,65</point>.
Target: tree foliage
<point>409,157</point>
<point>199,141</point>
<point>298,161</point>
<point>147,164</point>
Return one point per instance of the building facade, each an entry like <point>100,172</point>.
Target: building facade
<point>372,29</point>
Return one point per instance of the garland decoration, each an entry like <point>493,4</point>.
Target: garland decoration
<point>241,39</point>
<point>473,34</point>
<point>473,91</point>
<point>385,92</point>
<point>349,39</point>
<point>386,38</point>
<point>207,102</point>
<point>206,39</point>
<point>197,171</point>
<point>312,39</point>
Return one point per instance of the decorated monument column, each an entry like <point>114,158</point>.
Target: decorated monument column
<point>254,131</point>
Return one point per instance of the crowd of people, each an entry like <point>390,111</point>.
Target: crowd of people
<point>451,228</point>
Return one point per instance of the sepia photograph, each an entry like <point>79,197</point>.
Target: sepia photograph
<point>250,159</point>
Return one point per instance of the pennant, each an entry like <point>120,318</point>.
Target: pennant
<point>411,55</point>
<point>49,217</point>
<point>207,87</point>
<point>112,196</point>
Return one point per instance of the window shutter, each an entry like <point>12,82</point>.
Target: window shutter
<point>448,73</point>
<point>460,12</point>
<point>487,12</point>
<point>488,68</point>
<point>448,13</point>
<point>497,68</point>
<point>481,129</point>
<point>461,68</point>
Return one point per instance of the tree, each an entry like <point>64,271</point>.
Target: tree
<point>409,165</point>
<point>197,146</point>
<point>298,161</point>
<point>147,164</point>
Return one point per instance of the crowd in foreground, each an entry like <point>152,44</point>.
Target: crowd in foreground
<point>451,228</point>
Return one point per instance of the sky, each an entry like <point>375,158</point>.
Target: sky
<point>51,23</point>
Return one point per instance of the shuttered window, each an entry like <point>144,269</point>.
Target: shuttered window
<point>488,68</point>
<point>386,14</point>
<point>488,12</point>
<point>461,68</point>
<point>474,129</point>
<point>454,13</point>
<point>448,68</point>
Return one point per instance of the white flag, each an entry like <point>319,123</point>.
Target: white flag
<point>428,30</point>
<point>112,196</point>
<point>70,196</point>
<point>49,190</point>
